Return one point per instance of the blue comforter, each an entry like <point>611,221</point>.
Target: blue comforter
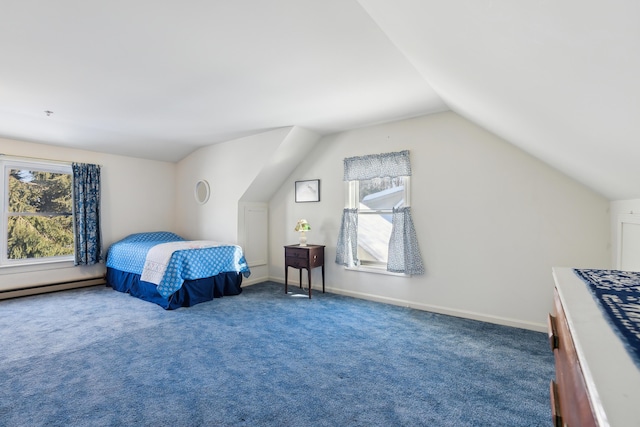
<point>130,253</point>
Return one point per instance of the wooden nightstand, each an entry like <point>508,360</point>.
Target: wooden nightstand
<point>300,257</point>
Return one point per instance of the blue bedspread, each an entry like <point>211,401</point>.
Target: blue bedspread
<point>618,295</point>
<point>130,253</point>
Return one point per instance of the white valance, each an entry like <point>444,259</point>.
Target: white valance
<point>377,166</point>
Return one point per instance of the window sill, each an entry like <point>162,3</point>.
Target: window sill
<point>36,266</point>
<point>376,270</point>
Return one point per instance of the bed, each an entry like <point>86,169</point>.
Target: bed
<point>168,270</point>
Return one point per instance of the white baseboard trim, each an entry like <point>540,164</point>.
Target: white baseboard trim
<point>538,327</point>
<point>253,281</point>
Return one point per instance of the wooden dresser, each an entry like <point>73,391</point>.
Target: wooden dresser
<point>597,383</point>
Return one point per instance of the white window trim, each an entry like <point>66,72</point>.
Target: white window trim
<point>7,163</point>
<point>376,269</point>
<point>351,201</point>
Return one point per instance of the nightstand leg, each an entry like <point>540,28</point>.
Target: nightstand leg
<point>323,278</point>
<point>309,279</point>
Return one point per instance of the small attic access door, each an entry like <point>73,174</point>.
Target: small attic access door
<point>628,242</point>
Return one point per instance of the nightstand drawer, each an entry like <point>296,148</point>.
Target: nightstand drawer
<point>296,262</point>
<point>296,253</point>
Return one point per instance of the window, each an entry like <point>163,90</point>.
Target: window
<point>376,228</point>
<point>37,206</point>
<point>375,200</point>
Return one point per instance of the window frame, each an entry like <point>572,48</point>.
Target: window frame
<point>353,202</point>
<point>7,164</point>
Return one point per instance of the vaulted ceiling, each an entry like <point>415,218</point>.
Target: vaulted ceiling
<point>160,78</point>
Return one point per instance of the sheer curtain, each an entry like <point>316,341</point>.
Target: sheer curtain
<point>347,247</point>
<point>404,252</point>
<point>86,213</point>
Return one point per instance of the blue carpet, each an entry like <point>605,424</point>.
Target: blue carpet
<point>96,357</point>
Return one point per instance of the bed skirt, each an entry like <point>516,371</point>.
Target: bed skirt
<point>191,293</point>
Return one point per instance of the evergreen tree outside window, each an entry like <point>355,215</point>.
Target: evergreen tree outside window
<point>37,207</point>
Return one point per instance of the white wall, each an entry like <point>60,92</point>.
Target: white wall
<point>137,195</point>
<point>491,221</point>
<point>230,168</point>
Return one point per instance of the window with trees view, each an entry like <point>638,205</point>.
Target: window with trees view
<point>375,200</point>
<point>37,213</point>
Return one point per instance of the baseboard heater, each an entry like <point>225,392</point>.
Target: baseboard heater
<point>51,287</point>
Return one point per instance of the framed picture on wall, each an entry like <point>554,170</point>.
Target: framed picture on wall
<point>308,191</point>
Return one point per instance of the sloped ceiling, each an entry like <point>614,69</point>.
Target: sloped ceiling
<point>559,79</point>
<point>160,78</point>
